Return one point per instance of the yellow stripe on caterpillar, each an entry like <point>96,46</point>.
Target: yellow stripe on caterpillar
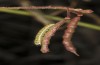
<point>41,33</point>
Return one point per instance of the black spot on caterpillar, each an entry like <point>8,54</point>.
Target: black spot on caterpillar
<point>41,33</point>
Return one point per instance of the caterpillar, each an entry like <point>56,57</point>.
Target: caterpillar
<point>41,34</point>
<point>68,35</point>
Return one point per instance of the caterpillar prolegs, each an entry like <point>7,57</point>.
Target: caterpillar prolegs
<point>41,33</point>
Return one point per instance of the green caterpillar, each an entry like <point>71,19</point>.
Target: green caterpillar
<point>41,33</point>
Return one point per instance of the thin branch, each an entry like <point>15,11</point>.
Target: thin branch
<point>51,7</point>
<point>25,13</point>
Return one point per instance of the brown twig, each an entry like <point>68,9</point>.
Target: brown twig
<point>51,7</point>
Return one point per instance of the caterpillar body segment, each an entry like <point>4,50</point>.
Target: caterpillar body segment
<point>41,33</point>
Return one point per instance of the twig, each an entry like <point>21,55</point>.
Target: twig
<point>51,7</point>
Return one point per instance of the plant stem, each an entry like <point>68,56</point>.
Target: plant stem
<point>50,7</point>
<point>25,13</point>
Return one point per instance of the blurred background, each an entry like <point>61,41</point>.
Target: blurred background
<point>17,33</point>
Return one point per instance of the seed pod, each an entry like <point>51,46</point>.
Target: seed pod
<point>68,35</point>
<point>41,33</point>
<point>49,34</point>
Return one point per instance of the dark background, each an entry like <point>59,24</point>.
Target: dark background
<point>17,33</point>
